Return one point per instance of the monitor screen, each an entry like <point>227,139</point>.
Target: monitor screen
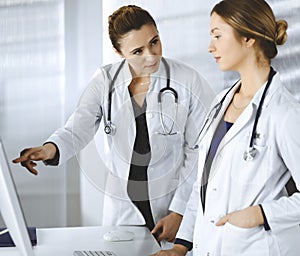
<point>11,209</point>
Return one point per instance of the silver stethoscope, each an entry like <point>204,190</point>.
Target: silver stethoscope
<point>110,128</point>
<point>251,151</point>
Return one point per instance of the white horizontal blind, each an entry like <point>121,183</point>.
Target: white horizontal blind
<point>32,98</point>
<point>288,59</point>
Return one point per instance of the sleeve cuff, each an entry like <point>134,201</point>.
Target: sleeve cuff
<point>187,244</point>
<point>266,224</point>
<point>54,161</point>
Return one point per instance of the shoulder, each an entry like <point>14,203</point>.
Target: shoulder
<point>179,68</point>
<point>286,119</point>
<point>98,87</point>
<point>187,77</point>
<point>106,72</point>
<point>285,109</point>
<point>103,75</point>
<point>282,99</point>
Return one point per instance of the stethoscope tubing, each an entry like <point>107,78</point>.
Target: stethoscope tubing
<point>258,113</point>
<point>109,127</point>
<point>111,91</point>
<point>216,107</point>
<point>250,151</point>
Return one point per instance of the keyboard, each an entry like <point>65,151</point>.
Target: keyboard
<point>94,253</point>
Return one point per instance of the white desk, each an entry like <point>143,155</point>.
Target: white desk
<point>63,241</point>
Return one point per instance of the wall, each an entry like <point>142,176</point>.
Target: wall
<point>49,49</point>
<point>32,83</point>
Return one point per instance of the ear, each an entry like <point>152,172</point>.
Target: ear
<point>249,42</point>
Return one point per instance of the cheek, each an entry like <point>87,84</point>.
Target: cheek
<point>136,63</point>
<point>226,48</point>
<point>158,49</point>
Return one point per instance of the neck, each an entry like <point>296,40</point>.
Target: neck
<point>144,80</point>
<point>252,79</point>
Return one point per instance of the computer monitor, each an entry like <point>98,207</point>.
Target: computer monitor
<point>11,209</point>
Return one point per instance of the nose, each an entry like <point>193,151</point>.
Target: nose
<point>150,54</point>
<point>211,47</point>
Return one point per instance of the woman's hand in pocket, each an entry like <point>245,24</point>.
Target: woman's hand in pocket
<point>249,217</point>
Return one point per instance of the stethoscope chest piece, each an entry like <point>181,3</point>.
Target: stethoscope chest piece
<point>249,154</point>
<point>109,129</point>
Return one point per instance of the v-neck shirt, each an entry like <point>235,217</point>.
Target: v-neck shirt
<point>222,128</point>
<point>137,186</point>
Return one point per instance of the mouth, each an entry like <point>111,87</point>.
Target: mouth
<point>153,65</point>
<point>217,59</point>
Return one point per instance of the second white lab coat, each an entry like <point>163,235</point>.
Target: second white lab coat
<point>235,184</point>
<point>173,165</point>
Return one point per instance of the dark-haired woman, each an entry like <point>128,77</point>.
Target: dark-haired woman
<point>152,109</point>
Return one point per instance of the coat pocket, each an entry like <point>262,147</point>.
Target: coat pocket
<point>244,241</point>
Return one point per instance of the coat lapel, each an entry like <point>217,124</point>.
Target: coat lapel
<point>248,114</point>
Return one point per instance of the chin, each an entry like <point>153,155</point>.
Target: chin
<point>155,69</point>
<point>224,68</point>
<point>152,70</point>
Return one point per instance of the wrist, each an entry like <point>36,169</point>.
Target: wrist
<point>175,214</point>
<point>176,217</point>
<point>260,217</point>
<point>180,249</point>
<point>50,149</point>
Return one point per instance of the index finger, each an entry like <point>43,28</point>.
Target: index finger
<point>24,155</point>
<point>222,221</point>
<point>20,159</point>
<point>156,228</point>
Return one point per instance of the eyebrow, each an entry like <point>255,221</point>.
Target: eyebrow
<point>214,29</point>
<point>142,47</point>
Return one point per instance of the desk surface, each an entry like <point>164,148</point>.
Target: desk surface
<point>63,241</point>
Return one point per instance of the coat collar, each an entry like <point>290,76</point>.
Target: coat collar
<point>249,113</point>
<point>124,78</point>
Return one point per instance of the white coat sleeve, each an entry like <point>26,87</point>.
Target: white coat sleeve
<point>201,98</point>
<point>83,123</point>
<point>285,212</point>
<point>186,229</point>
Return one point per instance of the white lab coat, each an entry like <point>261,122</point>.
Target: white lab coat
<point>235,184</point>
<point>172,169</point>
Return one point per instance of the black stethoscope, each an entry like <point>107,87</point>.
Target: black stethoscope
<point>110,128</point>
<point>251,151</point>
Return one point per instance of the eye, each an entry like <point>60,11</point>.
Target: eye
<point>154,42</point>
<point>217,37</point>
<point>137,52</point>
